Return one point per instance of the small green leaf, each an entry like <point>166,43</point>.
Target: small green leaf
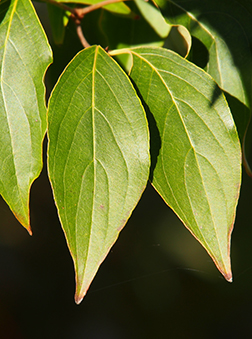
<point>59,20</point>
<point>98,157</point>
<point>24,56</point>
<point>154,17</point>
<point>197,167</point>
<point>124,32</point>
<point>179,40</point>
<point>118,8</point>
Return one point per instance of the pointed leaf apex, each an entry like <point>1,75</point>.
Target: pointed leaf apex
<point>25,222</point>
<point>79,297</point>
<point>225,271</point>
<point>29,230</point>
<point>228,276</point>
<point>27,227</point>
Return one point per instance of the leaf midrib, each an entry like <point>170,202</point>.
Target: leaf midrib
<point>188,136</point>
<point>12,12</point>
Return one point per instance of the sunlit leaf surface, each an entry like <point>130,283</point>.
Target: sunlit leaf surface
<point>195,149</point>
<point>98,157</point>
<point>24,57</point>
<point>153,16</point>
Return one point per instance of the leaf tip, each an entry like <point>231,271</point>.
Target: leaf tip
<point>24,221</point>
<point>29,230</point>
<point>79,297</point>
<point>228,277</point>
<point>227,273</point>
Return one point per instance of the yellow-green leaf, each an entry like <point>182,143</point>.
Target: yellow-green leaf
<point>98,157</point>
<point>24,57</point>
<point>196,157</point>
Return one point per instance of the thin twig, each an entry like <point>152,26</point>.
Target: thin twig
<point>83,11</point>
<point>61,5</point>
<point>81,36</point>
<point>77,14</point>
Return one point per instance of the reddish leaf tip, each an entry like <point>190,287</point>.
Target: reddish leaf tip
<point>27,227</point>
<point>29,230</point>
<point>78,298</point>
<point>229,277</point>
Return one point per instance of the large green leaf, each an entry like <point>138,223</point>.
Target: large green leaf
<point>24,57</point>
<point>197,169</point>
<point>98,157</point>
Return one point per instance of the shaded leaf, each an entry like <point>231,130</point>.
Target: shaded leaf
<point>98,157</point>
<point>24,56</point>
<point>58,20</point>
<point>224,27</point>
<point>177,37</point>
<point>197,169</point>
<point>127,32</point>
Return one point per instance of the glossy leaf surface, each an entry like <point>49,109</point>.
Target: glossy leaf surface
<point>24,57</point>
<point>98,157</point>
<point>195,148</point>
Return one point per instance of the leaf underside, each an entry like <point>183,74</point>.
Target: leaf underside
<point>98,157</point>
<point>195,148</point>
<point>24,56</point>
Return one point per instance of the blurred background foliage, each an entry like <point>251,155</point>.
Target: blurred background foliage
<point>157,281</point>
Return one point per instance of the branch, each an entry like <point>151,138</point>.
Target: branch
<point>77,15</point>
<point>81,36</point>
<point>83,11</point>
<point>61,5</point>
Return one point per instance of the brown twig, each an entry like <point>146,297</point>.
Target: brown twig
<point>61,5</point>
<point>77,15</point>
<point>81,36</point>
<point>81,12</point>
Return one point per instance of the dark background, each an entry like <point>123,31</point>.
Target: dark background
<point>157,281</point>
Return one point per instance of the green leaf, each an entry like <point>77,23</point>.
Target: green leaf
<point>98,157</point>
<point>127,32</point>
<point>224,27</point>
<point>177,37</point>
<point>24,56</point>
<point>118,8</point>
<point>195,147</point>
<point>154,17</point>
<point>59,20</point>
<point>179,40</point>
